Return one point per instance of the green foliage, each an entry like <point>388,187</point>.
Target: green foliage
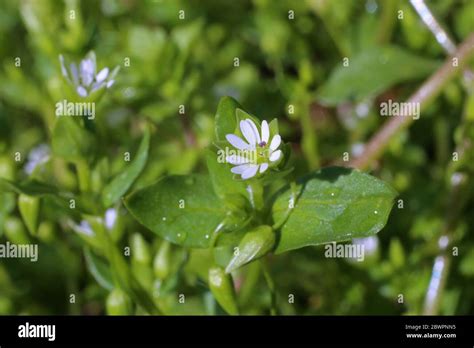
<point>190,212</point>
<point>130,235</point>
<point>350,81</point>
<point>255,244</point>
<point>334,204</point>
<point>122,182</point>
<point>222,288</point>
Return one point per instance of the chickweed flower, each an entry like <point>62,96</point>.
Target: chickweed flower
<point>83,76</point>
<point>37,156</point>
<point>256,152</point>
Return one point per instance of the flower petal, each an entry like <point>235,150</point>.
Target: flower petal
<point>276,141</point>
<point>110,83</point>
<point>81,91</point>
<point>236,159</point>
<point>63,66</point>
<point>236,142</point>
<point>250,171</point>
<point>275,156</point>
<point>74,73</point>
<point>240,169</point>
<point>265,131</point>
<point>247,132</point>
<point>255,130</point>
<point>97,86</point>
<point>87,72</point>
<point>102,75</point>
<point>263,167</point>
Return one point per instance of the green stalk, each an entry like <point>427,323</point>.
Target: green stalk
<point>255,190</point>
<point>271,287</point>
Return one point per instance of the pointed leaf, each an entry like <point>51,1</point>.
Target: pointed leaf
<point>122,182</point>
<point>373,71</point>
<point>253,245</point>
<point>225,120</point>
<point>334,204</point>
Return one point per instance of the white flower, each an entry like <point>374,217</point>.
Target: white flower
<point>110,218</point>
<point>84,228</point>
<point>256,153</point>
<point>37,156</point>
<point>83,76</point>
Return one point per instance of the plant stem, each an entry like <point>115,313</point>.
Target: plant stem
<point>427,92</point>
<point>309,141</point>
<point>271,287</point>
<point>442,262</point>
<point>255,190</point>
<point>458,195</point>
<point>430,21</point>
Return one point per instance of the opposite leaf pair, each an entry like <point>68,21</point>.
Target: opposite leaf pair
<point>200,211</point>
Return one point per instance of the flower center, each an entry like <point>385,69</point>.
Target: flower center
<point>262,144</point>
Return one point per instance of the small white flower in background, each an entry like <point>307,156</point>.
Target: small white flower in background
<point>262,153</point>
<point>37,156</point>
<point>110,218</point>
<point>84,227</point>
<point>83,76</point>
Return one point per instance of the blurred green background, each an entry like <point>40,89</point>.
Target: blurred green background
<point>278,58</point>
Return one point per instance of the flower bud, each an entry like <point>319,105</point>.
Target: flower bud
<point>253,245</point>
<point>118,303</point>
<point>140,249</point>
<point>15,231</point>
<point>161,264</point>
<point>222,288</point>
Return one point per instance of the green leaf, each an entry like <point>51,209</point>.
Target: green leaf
<point>273,125</point>
<point>7,204</point>
<point>29,207</point>
<point>225,121</point>
<point>254,244</point>
<point>242,115</point>
<point>222,287</point>
<point>222,178</point>
<point>373,71</point>
<point>334,204</point>
<point>181,209</point>
<point>122,182</point>
<point>50,196</point>
<point>98,269</point>
<point>120,270</point>
<point>15,231</point>
<point>30,187</point>
<point>71,141</point>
